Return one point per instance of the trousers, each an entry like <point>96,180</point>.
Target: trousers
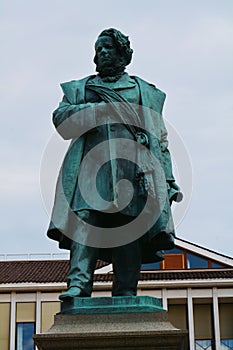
<point>126,262</point>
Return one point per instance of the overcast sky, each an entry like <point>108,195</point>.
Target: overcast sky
<point>184,47</point>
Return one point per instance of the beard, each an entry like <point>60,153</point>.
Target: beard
<point>110,68</point>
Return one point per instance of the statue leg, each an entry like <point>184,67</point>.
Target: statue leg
<point>82,266</point>
<point>126,268</point>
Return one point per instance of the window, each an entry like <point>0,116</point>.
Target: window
<point>197,262</point>
<point>203,326</point>
<point>151,266</point>
<point>4,326</point>
<point>203,345</point>
<point>24,333</point>
<point>227,344</point>
<point>216,265</point>
<point>226,322</point>
<point>177,314</point>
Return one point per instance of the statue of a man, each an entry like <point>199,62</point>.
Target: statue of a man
<point>107,108</point>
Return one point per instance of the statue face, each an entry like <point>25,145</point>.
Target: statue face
<point>106,53</point>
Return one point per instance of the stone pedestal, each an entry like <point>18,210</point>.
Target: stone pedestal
<point>112,323</point>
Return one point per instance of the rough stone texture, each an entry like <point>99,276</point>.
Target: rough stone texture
<point>124,330</point>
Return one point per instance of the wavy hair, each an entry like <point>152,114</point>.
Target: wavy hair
<point>122,44</point>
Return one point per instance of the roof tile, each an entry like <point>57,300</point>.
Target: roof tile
<point>52,271</point>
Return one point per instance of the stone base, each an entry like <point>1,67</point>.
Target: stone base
<point>129,330</point>
<point>106,305</point>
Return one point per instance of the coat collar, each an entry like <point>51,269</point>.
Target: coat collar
<point>125,82</point>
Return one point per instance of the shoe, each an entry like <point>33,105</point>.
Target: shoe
<point>71,293</point>
<point>159,255</point>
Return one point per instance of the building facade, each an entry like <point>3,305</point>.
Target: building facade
<point>194,284</point>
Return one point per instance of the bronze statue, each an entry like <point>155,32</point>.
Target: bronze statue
<point>107,108</point>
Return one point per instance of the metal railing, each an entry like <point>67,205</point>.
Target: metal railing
<point>34,256</point>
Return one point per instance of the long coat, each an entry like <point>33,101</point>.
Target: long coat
<point>162,232</point>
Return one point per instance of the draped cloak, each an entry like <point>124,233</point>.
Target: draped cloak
<point>74,100</point>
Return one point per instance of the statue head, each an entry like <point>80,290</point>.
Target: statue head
<point>113,52</point>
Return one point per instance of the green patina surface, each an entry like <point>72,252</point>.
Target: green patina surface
<point>109,109</point>
<point>106,305</point>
